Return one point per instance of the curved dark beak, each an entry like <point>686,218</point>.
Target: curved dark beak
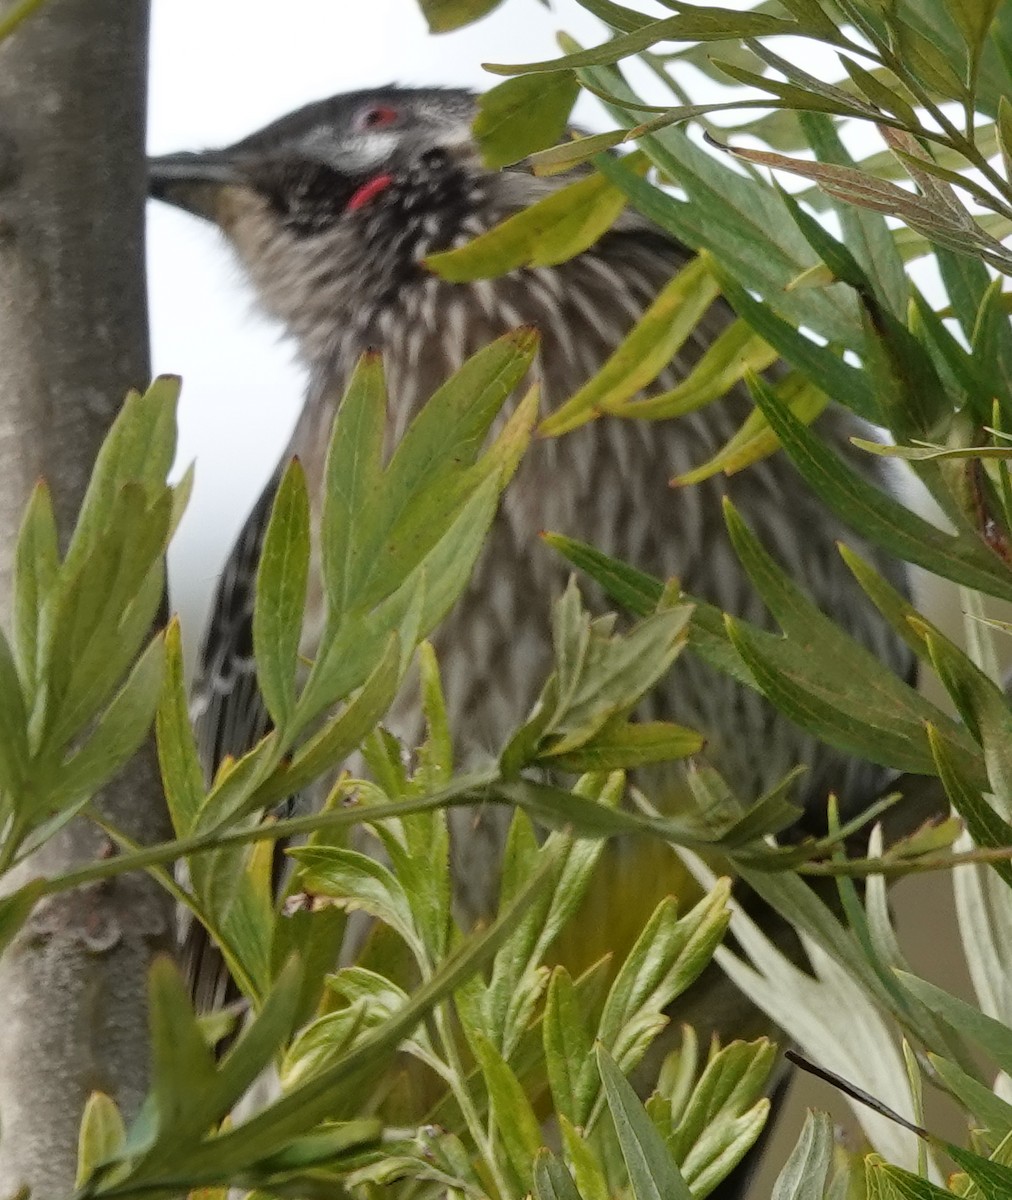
<point>193,181</point>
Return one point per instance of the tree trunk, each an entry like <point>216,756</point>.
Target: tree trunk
<point>73,339</point>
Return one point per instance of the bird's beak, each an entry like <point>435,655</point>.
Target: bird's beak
<point>197,183</point>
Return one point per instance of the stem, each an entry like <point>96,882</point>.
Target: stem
<point>465,792</point>
<point>861,867</point>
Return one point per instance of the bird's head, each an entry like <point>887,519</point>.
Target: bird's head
<point>353,191</point>
<point>327,164</point>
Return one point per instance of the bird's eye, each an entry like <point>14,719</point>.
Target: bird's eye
<point>377,116</point>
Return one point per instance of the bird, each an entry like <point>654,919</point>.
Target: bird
<point>331,212</point>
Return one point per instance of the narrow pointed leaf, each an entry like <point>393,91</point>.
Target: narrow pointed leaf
<point>645,351</point>
<point>282,578</point>
<point>879,517</point>
<point>177,750</point>
<point>522,115</point>
<point>552,230</point>
<point>652,1171</point>
<point>701,24</point>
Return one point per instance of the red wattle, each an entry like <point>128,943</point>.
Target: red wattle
<point>369,191</point>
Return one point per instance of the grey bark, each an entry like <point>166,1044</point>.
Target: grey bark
<point>73,339</point>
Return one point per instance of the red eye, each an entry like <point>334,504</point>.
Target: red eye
<point>378,116</point>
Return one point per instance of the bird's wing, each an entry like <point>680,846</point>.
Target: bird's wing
<point>229,716</point>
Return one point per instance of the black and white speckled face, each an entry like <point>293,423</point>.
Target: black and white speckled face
<point>334,160</point>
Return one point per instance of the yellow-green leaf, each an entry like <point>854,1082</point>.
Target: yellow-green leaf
<point>736,350</point>
<point>522,115</point>
<point>755,440</point>
<point>644,352</point>
<point>102,1134</point>
<point>556,228</point>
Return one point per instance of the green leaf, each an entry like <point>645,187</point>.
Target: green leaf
<point>832,708</point>
<point>446,15</point>
<point>652,1171</point>
<point>16,908</point>
<point>755,440</point>
<point>633,589</point>
<point>984,708</point>
<point>14,750</point>
<point>701,24</point>
<point>552,230</point>
<point>181,1063</point>
<point>812,96</point>
<point>418,550</point>
<point>567,1047</point>
<point>806,1172</point>
<point>904,619</point>
<point>724,1115</point>
<point>282,579</point>
<point>332,744</point>
<point>723,364</point>
<point>435,756</point>
<point>623,19</point>
<point>522,115</point>
<point>353,474</point>
<point>588,1169</point>
<point>640,594</point>
<point>741,222</point>
<point>101,1136</point>
<point>619,670</point>
<point>442,441</point>
<point>182,1117</point>
<point>821,364</point>
<point>991,346</point>
<point>898,1184</point>
<point>925,59</point>
<point>841,691</point>
<point>987,1107</point>
<point>118,734</point>
<point>878,517</point>
<point>510,1111</point>
<point>139,449</point>
<point>992,1178</point>
<point>644,352</point>
<point>103,609</point>
<point>370,1000</point>
<point>668,955</point>
<point>177,751</point>
<point>37,564</point>
<point>1004,126</point>
<point>259,1040</point>
<point>356,881</point>
<point>627,746</point>
<point>518,978</point>
<point>579,149</point>
<point>880,94</point>
<point>993,1037</point>
<point>984,825</point>
<point>235,781</point>
<point>312,1101</point>
<point>551,1179</point>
